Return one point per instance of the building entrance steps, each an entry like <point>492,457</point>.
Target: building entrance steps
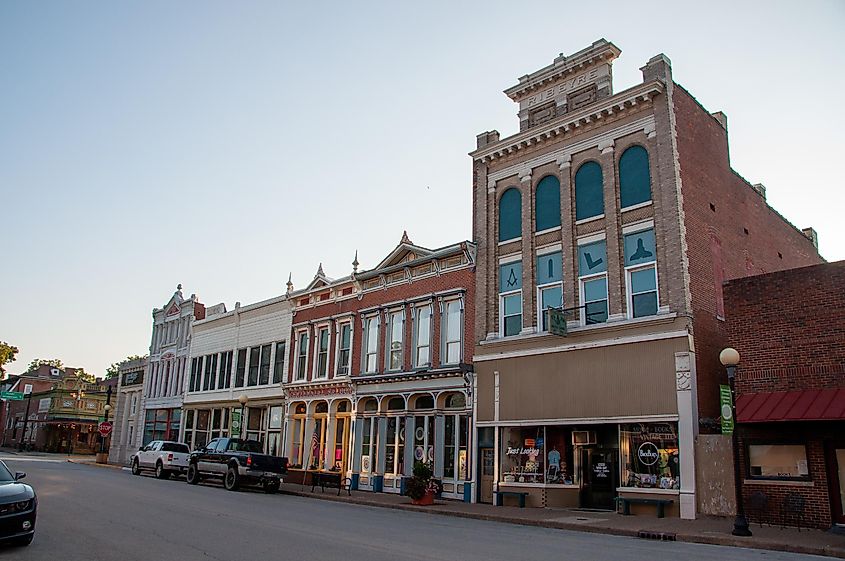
<point>709,530</point>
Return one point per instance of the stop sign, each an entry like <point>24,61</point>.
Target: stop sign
<point>105,428</point>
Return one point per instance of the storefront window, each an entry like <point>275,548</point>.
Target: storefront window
<point>523,456</point>
<point>778,461</point>
<point>274,431</point>
<point>650,455</point>
<point>394,454</point>
<point>296,444</point>
<point>559,456</point>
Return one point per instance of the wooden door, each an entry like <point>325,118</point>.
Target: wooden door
<point>487,473</point>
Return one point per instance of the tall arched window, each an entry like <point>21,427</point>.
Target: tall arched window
<point>510,215</point>
<point>634,177</point>
<point>589,193</point>
<point>548,203</point>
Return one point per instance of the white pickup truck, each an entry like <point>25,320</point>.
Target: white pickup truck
<point>162,456</point>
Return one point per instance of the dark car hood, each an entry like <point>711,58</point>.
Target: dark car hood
<point>13,491</point>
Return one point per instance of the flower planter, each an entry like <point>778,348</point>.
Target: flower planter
<point>427,499</point>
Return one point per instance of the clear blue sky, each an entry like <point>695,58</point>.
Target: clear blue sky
<point>225,144</point>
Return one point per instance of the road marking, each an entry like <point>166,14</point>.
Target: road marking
<point>29,459</point>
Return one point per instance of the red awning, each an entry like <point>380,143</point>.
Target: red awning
<point>799,405</point>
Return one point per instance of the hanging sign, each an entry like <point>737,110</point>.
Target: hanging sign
<point>557,322</point>
<point>726,404</point>
<point>236,423</point>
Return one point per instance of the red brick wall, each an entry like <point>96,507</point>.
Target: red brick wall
<point>718,246</point>
<point>460,278</point>
<point>789,328</point>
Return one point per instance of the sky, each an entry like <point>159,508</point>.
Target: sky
<point>226,145</point>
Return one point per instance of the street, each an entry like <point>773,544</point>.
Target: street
<point>94,513</point>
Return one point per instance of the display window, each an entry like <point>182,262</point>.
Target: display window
<point>523,458</point>
<point>778,461</point>
<point>650,455</point>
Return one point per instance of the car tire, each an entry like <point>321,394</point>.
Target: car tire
<point>25,541</point>
<point>193,475</point>
<point>232,481</point>
<point>161,473</point>
<point>136,468</point>
<point>271,487</point>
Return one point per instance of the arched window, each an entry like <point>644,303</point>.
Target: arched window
<point>548,203</point>
<point>634,177</point>
<point>322,407</point>
<point>456,401</point>
<point>589,195</point>
<point>424,402</point>
<point>396,404</point>
<point>510,215</point>
<point>370,405</point>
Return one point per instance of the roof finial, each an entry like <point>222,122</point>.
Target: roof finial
<point>179,286</point>
<point>405,238</point>
<point>355,263</point>
<point>320,272</point>
<point>290,282</point>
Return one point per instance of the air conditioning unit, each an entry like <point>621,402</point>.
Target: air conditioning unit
<point>583,437</point>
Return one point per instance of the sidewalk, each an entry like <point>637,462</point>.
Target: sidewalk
<point>715,531</point>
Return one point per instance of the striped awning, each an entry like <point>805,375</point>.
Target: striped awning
<point>799,405</point>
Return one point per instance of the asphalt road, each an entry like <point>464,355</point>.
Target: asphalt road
<point>93,513</point>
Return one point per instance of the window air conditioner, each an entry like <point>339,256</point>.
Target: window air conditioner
<point>583,437</point>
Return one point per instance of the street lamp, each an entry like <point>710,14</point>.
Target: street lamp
<point>730,359</point>
<point>242,399</point>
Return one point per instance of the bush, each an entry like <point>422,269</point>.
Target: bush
<point>421,483</point>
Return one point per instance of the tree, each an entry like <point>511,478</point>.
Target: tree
<point>7,355</point>
<point>80,372</point>
<point>112,370</point>
<point>54,362</point>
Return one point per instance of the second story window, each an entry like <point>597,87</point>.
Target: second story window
<point>279,363</point>
<point>240,369</point>
<point>264,373</point>
<point>344,349</point>
<point>322,364</point>
<point>641,273</point>
<point>549,286</point>
<point>301,356</point>
<point>510,298</point>
<point>224,379</point>
<point>371,344</point>
<point>592,273</point>
<point>394,347</point>
<point>254,365</point>
<point>422,336</point>
<point>452,328</point>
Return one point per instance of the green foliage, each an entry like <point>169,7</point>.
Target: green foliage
<point>422,482</point>
<point>54,362</point>
<point>7,355</point>
<point>112,370</point>
<point>85,376</point>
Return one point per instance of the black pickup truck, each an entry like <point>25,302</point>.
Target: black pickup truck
<point>237,462</point>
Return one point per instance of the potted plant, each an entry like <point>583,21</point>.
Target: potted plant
<point>422,487</point>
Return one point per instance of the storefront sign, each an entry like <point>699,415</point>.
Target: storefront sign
<point>601,470</point>
<point>727,409</point>
<point>557,322</point>
<point>527,451</point>
<point>319,391</point>
<point>648,454</point>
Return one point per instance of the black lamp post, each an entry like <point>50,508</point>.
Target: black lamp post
<point>107,408</point>
<point>730,359</point>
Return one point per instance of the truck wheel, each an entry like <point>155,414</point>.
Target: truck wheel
<point>271,487</point>
<point>193,476</point>
<point>232,480</point>
<point>161,473</point>
<point>136,469</point>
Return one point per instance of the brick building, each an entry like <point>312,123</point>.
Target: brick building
<point>127,434</point>
<point>12,413</point>
<point>622,210</point>
<point>379,371</point>
<point>789,329</point>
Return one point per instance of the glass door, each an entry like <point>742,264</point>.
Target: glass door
<point>600,478</point>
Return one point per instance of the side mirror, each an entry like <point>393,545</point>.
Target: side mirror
<point>19,475</point>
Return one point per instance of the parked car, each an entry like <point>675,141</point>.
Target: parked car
<point>162,456</point>
<point>238,462</point>
<point>18,506</point>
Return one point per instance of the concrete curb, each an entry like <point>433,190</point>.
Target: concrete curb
<point>681,537</point>
<point>86,463</point>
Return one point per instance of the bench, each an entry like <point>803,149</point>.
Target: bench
<point>331,480</point>
<point>660,503</point>
<point>498,497</point>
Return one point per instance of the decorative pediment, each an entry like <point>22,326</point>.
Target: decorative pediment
<point>173,309</point>
<point>404,252</point>
<point>320,279</point>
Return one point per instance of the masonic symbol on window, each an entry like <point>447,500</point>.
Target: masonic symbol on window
<point>590,263</point>
<point>512,280</point>
<point>641,253</point>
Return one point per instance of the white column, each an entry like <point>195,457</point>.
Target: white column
<point>328,451</point>
<point>687,425</point>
